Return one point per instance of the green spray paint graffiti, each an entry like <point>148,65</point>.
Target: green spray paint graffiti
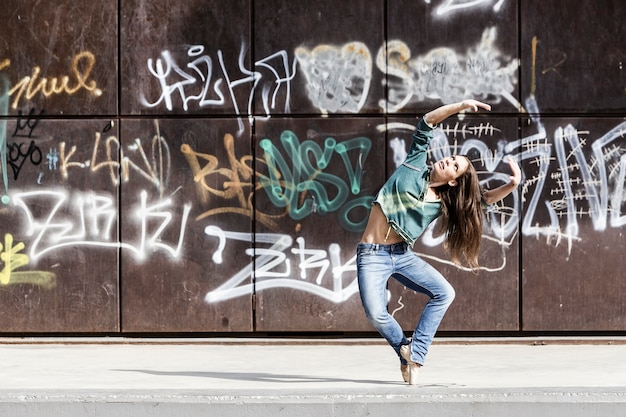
<point>325,192</point>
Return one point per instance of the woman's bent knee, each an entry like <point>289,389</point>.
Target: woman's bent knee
<point>379,317</point>
<point>447,295</point>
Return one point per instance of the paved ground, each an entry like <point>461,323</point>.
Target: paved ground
<point>272,371</point>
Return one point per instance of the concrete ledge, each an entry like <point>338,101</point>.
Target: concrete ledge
<point>462,403</point>
<point>345,378</point>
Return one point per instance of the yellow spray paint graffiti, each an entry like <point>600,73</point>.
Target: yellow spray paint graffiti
<point>33,84</point>
<point>236,182</point>
<point>12,259</point>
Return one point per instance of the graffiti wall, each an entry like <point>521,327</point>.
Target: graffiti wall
<point>207,166</point>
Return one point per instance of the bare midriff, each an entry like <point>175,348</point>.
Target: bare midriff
<point>378,230</point>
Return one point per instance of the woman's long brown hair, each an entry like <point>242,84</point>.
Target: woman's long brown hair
<point>462,218</point>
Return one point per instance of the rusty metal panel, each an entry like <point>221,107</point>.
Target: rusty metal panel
<point>183,57</point>
<point>488,300</point>
<point>573,221</point>
<point>59,268</point>
<point>316,181</point>
<point>60,57</point>
<point>307,66</point>
<point>443,51</point>
<point>186,210</point>
<point>573,57</point>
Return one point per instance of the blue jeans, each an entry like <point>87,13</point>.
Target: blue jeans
<point>375,264</point>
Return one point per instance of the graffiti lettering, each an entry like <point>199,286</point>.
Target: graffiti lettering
<point>197,83</point>
<point>273,268</point>
<point>12,259</point>
<point>17,156</point>
<point>148,215</point>
<point>450,6</point>
<point>444,75</point>
<point>286,187</point>
<point>285,184</point>
<point>236,180</point>
<point>82,66</point>
<point>29,124</point>
<point>153,166</point>
<point>91,222</point>
<point>595,183</point>
<point>338,78</point>
<point>53,159</point>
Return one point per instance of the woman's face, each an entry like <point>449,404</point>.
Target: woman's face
<point>447,170</point>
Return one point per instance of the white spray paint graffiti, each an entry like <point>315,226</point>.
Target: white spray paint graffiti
<point>199,83</point>
<point>450,6</point>
<point>483,72</point>
<point>579,181</point>
<point>274,268</point>
<point>92,222</point>
<point>338,78</point>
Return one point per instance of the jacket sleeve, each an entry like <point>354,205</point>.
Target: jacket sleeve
<point>421,137</point>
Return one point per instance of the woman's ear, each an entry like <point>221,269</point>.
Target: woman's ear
<point>452,183</point>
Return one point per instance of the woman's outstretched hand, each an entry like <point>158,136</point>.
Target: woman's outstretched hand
<point>497,194</point>
<point>474,105</point>
<point>516,178</point>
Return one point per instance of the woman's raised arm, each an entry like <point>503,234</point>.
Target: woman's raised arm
<point>439,114</point>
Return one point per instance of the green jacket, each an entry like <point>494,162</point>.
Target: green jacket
<point>402,197</point>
